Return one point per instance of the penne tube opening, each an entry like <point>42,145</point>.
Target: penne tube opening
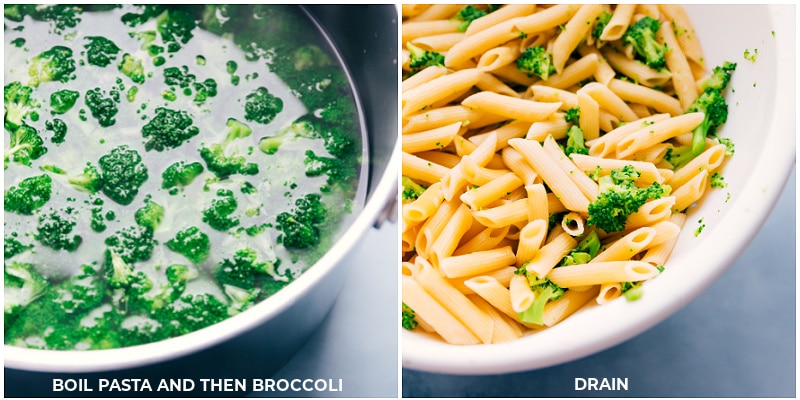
<point>608,292</point>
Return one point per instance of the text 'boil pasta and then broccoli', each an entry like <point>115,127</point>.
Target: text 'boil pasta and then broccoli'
<point>551,155</point>
<point>166,167</point>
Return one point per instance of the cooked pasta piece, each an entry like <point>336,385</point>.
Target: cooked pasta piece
<point>619,22</point>
<point>477,262</point>
<point>602,272</point>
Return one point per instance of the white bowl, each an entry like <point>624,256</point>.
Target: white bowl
<point>761,123</point>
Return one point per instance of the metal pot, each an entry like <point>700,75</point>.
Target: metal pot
<point>258,342</point>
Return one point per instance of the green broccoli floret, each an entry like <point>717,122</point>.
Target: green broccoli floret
<point>99,329</point>
<point>204,90</point>
<point>29,195</point>
<point>619,197</point>
<point>168,130</point>
<point>192,243</point>
<point>180,77</point>
<point>142,331</point>
<point>236,130</point>
<point>298,129</point>
<point>573,115</point>
<point>575,142</point>
<point>59,129</point>
<point>55,64</point>
<point>139,299</point>
<point>55,228</point>
<point>219,215</point>
<point>600,24</point>
<point>309,57</point>
<point>88,181</point>
<point>586,249</point>
<point>130,95</point>
<point>62,100</point>
<point>300,226</point>
<point>631,290</point>
<point>544,291</point>
<point>180,174</point>
<point>339,127</point>
<point>730,148</point>
<point>223,165</point>
<point>13,247</point>
<point>15,12</point>
<point>123,173</point>
<point>262,106</point>
<point>248,188</point>
<point>240,299</point>
<point>712,103</point>
<point>175,26</point>
<point>147,11</point>
<point>467,15</point>
<point>81,292</point>
<point>100,51</point>
<point>23,285</point>
<point>60,16</point>
<point>536,61</point>
<point>191,313</point>
<point>679,156</point>
<point>18,105</point>
<point>717,180</point>
<point>150,215</point>
<point>420,58</point>
<point>340,112</point>
<point>103,108</point>
<point>245,271</point>
<point>178,275</point>
<point>25,145</point>
<point>216,17</point>
<point>147,38</point>
<point>409,317</point>
<point>131,244</point>
<point>411,189</point>
<point>132,67</point>
<point>339,172</point>
<point>642,36</point>
<point>720,77</point>
<point>98,221</point>
<point>231,67</point>
<point>118,272</point>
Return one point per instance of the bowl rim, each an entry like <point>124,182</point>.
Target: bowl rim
<point>758,196</point>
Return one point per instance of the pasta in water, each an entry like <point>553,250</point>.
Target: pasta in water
<point>550,155</point>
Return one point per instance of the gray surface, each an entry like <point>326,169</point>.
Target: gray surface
<point>737,339</point>
<point>358,340</point>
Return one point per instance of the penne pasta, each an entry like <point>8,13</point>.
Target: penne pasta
<point>602,272</point>
<point>476,263</point>
<point>510,107</point>
<point>543,196</point>
<point>619,22</point>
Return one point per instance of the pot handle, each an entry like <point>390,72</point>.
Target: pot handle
<point>389,213</point>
